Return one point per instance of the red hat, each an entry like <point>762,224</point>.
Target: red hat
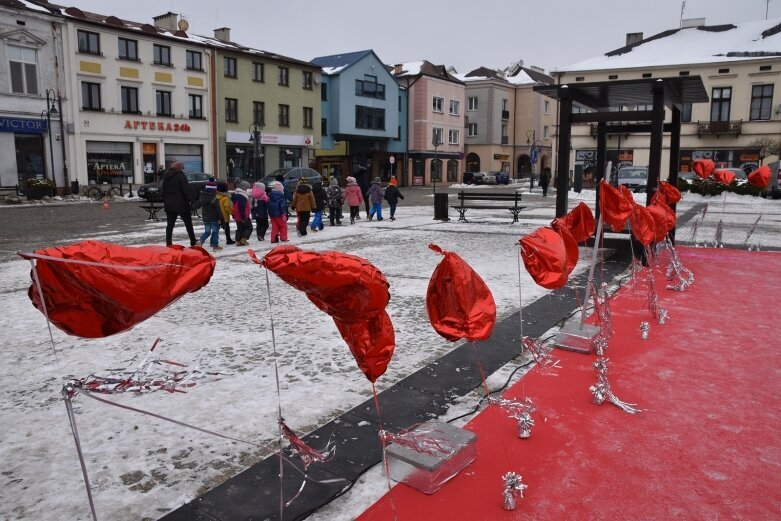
<point>393,181</point>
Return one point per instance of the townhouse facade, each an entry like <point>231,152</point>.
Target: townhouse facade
<point>275,96</point>
<point>33,102</point>
<point>363,123</point>
<point>740,66</point>
<point>435,115</point>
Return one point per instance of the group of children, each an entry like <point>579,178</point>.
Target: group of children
<point>262,205</point>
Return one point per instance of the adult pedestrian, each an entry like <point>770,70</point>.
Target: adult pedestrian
<point>392,195</point>
<point>545,181</point>
<point>177,202</point>
<point>362,179</point>
<point>303,203</point>
<point>375,198</point>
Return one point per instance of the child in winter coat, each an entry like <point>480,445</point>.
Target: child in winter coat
<point>227,208</point>
<point>260,209</point>
<point>319,193</point>
<point>354,198</point>
<point>375,198</point>
<point>335,200</point>
<point>212,215</point>
<point>392,195</point>
<point>277,212</point>
<point>241,214</point>
<point>303,203</point>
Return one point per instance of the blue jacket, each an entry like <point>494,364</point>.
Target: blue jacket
<point>277,204</point>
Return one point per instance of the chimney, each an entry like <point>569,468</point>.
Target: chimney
<point>167,21</point>
<point>633,38</point>
<point>398,69</point>
<point>692,22</point>
<point>223,34</point>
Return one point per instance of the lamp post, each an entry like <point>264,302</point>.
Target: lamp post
<point>435,142</point>
<point>534,151</point>
<point>255,136</point>
<point>50,111</point>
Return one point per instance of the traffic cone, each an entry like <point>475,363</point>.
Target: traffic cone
<point>105,203</point>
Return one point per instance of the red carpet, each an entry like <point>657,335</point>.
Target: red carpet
<point>706,446</point>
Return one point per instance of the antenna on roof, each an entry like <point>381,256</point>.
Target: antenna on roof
<point>683,7</point>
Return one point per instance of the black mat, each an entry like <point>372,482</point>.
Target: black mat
<point>253,495</point>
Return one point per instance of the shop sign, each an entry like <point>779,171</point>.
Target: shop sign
<point>417,181</point>
<point>23,125</point>
<point>270,139</point>
<point>134,124</point>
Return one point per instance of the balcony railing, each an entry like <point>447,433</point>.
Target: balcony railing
<point>719,128</point>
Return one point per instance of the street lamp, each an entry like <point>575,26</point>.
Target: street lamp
<point>534,151</point>
<point>255,136</point>
<point>435,142</point>
<point>50,111</point>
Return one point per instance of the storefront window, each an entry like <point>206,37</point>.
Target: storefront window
<point>240,162</point>
<point>190,155</point>
<point>452,171</point>
<point>289,157</point>
<point>109,162</point>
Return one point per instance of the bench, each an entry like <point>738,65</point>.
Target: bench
<point>465,203</point>
<point>152,208</point>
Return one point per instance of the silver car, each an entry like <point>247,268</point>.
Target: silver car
<point>633,177</point>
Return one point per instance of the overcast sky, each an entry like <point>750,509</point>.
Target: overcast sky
<point>463,33</point>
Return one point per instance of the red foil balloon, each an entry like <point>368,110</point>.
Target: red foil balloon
<point>703,168</point>
<point>670,193</point>
<point>616,206</point>
<point>458,301</point>
<point>760,177</point>
<point>545,257</point>
<point>350,290</point>
<point>724,177</point>
<point>91,301</point>
<point>643,225</point>
<point>571,248</point>
<point>579,222</point>
<point>660,221</point>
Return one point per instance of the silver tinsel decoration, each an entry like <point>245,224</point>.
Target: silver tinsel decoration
<point>751,232</point>
<point>525,424</point>
<point>521,411</point>
<point>542,355</point>
<point>602,311</point>
<point>513,489</point>
<point>602,392</point>
<point>662,319</point>
<point>645,329</point>
<point>679,276</point>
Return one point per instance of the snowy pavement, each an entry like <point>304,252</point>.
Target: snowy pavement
<point>142,467</point>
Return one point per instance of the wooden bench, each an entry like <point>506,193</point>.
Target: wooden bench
<point>465,203</point>
<point>152,208</point>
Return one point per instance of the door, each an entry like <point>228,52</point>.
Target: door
<point>150,162</point>
<point>30,161</point>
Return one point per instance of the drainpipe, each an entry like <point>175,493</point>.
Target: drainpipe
<point>515,113</point>
<point>63,131</point>
<point>215,138</point>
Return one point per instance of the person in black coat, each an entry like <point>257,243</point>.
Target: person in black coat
<point>392,195</point>
<point>362,178</point>
<point>320,202</point>
<point>177,202</point>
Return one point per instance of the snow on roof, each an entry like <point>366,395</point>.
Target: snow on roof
<point>522,78</point>
<point>338,62</point>
<point>330,71</point>
<point>34,7</point>
<point>410,68</point>
<point>692,45</point>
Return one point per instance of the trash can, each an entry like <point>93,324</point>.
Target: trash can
<point>440,207</point>
<point>75,187</point>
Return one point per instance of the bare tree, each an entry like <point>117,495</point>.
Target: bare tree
<point>766,146</point>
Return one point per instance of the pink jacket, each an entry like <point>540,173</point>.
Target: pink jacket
<point>353,195</point>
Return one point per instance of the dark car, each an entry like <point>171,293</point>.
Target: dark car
<point>153,192</point>
<point>292,175</point>
<point>502,178</point>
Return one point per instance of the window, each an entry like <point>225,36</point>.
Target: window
<point>761,101</point>
<point>505,138</point>
<point>545,132</point>
<point>323,92</point>
<point>436,105</point>
<point>686,112</point>
<point>437,135</point>
<point>231,110</point>
<point>453,137</point>
<point>308,114</point>
<point>24,70</point>
<point>647,75</point>
<point>128,49</point>
<point>452,171</point>
<point>580,78</point>
<point>613,77</point>
<point>368,87</point>
<point>471,103</point>
<point>258,72</point>
<point>161,55</point>
<point>455,107</point>
<point>163,98</point>
<point>259,112</point>
<point>644,107</point>
<point>284,115</point>
<point>683,73</point>
<point>323,127</point>
<point>90,96</point>
<point>399,103</point>
<point>229,67</point>
<point>546,107</point>
<point>765,67</point>
<point>369,118</point>
<point>283,76</point>
<point>720,104</point>
<point>89,42</point>
<point>723,71</point>
<point>194,61</point>
<point>505,105</point>
<point>129,97</point>
<point>306,80</point>
<point>471,130</point>
<point>196,106</point>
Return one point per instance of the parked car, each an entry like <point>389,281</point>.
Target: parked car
<point>740,175</point>
<point>292,175</point>
<point>153,192</point>
<point>502,178</point>
<point>469,178</point>
<point>489,178</point>
<point>633,177</point>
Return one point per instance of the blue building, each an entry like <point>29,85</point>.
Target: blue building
<point>363,118</point>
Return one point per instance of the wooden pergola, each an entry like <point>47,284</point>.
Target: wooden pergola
<point>604,99</point>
